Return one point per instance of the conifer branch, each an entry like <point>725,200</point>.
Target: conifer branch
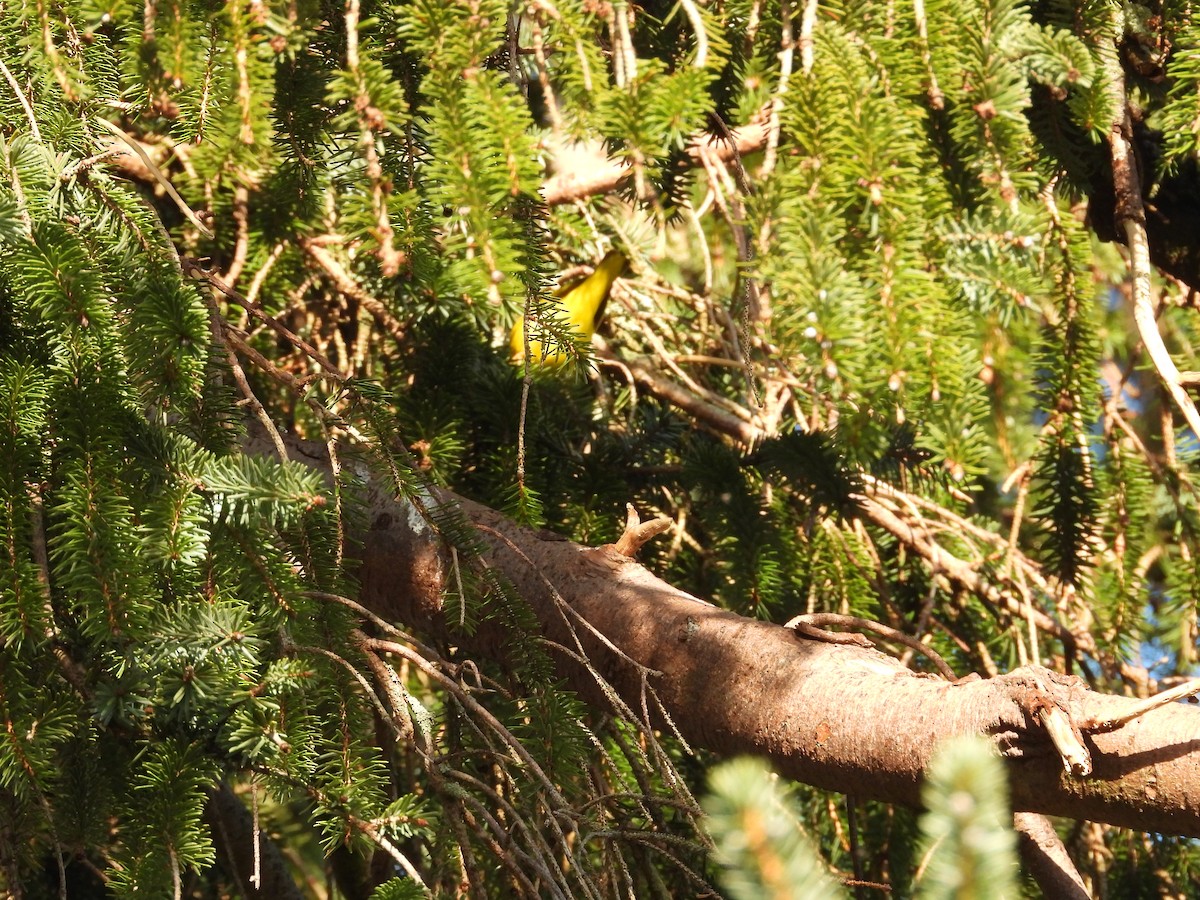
<point>371,120</point>
<point>567,187</point>
<point>787,54</point>
<point>347,286</point>
<point>174,577</point>
<point>21,98</point>
<point>157,173</point>
<point>53,56</point>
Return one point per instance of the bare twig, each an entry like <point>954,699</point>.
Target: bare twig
<point>637,532</point>
<point>239,376</point>
<point>343,281</point>
<point>808,22</point>
<point>1130,216</point>
<point>241,243</point>
<point>264,270</point>
<point>820,620</point>
<point>157,173</point>
<point>959,571</point>
<point>709,414</point>
<point>192,268</point>
<point>1187,689</point>
<point>937,100</point>
<point>697,23</point>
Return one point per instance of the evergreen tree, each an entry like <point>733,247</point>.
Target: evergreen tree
<point>904,346</point>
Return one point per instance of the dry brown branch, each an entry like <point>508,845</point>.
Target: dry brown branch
<point>157,173</point>
<point>960,572</point>
<point>347,286</point>
<point>567,187</point>
<point>706,413</point>
<point>235,836</point>
<point>838,717</point>
<point>248,395</point>
<point>193,269</point>
<point>1130,217</point>
<point>241,243</point>
<point>1047,859</point>
<point>637,533</point>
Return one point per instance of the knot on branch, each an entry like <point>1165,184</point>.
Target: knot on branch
<point>1060,727</point>
<point>637,533</point>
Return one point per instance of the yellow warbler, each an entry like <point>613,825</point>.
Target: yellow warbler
<point>580,307</point>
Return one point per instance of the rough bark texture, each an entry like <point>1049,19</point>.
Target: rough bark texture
<point>1047,859</point>
<point>839,717</point>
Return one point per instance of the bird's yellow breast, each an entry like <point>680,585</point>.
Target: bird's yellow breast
<point>579,306</point>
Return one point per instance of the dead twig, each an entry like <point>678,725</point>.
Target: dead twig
<point>637,533</point>
<point>1130,216</point>
<point>567,187</point>
<point>806,624</point>
<point>1188,689</point>
<point>157,173</point>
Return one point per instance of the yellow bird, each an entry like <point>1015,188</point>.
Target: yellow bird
<point>580,306</point>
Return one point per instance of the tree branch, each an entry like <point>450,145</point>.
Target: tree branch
<point>566,187</point>
<point>1047,859</point>
<point>1130,217</point>
<point>838,717</point>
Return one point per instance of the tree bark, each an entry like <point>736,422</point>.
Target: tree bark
<point>1047,859</point>
<point>836,716</point>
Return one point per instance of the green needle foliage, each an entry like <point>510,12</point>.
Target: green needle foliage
<point>968,826</point>
<point>897,301</point>
<point>967,840</point>
<point>757,833</point>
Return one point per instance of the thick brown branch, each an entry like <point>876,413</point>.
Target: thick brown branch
<point>838,717</point>
<point>1047,858</point>
<point>719,420</point>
